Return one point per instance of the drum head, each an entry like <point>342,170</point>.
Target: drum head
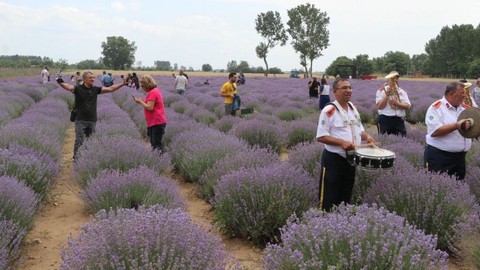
<point>374,152</point>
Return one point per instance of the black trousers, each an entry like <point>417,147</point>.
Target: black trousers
<point>436,160</point>
<point>391,125</point>
<point>155,133</point>
<point>337,178</point>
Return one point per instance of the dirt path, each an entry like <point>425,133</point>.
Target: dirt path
<point>64,213</point>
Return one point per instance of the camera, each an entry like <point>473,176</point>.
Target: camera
<point>59,80</point>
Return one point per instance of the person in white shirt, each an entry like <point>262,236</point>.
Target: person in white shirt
<point>181,83</point>
<point>446,147</point>
<point>340,129</point>
<point>45,75</point>
<point>392,103</point>
<point>324,93</point>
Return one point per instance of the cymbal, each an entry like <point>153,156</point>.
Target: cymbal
<point>473,114</point>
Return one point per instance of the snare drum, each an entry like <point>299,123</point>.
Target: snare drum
<point>374,158</point>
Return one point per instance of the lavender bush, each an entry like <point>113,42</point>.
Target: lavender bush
<point>353,237</point>
<point>112,189</point>
<point>476,255</point>
<point>17,202</point>
<point>35,169</point>
<point>247,158</point>
<point>195,151</point>
<point>11,236</point>
<point>435,203</point>
<point>254,203</point>
<point>118,153</point>
<point>259,133</point>
<point>153,238</point>
<point>307,156</point>
<point>300,132</point>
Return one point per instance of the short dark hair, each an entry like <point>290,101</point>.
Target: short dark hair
<point>231,74</point>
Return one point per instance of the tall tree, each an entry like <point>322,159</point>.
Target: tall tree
<point>398,61</point>
<point>364,65</point>
<point>339,67</point>
<point>269,25</point>
<point>118,53</point>
<point>307,26</point>
<point>451,52</point>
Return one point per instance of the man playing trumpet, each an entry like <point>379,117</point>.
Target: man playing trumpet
<point>392,104</point>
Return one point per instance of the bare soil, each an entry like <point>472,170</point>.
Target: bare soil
<point>64,213</point>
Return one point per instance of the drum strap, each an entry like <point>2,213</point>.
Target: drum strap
<point>346,120</point>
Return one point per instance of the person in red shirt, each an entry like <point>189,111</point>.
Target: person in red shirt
<point>154,111</point>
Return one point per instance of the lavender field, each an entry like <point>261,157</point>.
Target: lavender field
<point>259,172</point>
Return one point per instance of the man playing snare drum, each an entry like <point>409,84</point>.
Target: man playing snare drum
<point>340,129</point>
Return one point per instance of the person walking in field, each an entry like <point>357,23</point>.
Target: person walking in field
<point>45,75</point>
<point>154,111</point>
<point>85,105</point>
<point>181,83</point>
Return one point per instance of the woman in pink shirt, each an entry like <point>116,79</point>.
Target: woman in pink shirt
<point>154,111</point>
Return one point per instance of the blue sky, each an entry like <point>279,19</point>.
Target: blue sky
<point>192,33</point>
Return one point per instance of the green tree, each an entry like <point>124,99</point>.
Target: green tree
<point>118,53</point>
<point>336,67</point>
<point>90,64</point>
<point>162,65</point>
<point>269,25</point>
<point>419,62</point>
<point>398,61</point>
<point>207,67</point>
<point>232,66</point>
<point>243,66</point>
<point>452,50</point>
<point>307,26</point>
<point>62,64</point>
<point>364,65</point>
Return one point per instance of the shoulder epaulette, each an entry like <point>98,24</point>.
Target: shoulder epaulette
<point>331,111</point>
<point>437,104</point>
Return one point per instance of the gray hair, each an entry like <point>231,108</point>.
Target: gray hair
<point>85,74</point>
<point>452,87</point>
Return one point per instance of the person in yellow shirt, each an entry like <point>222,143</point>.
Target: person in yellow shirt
<point>228,91</point>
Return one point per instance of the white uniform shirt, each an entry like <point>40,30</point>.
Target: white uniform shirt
<point>388,111</point>
<point>441,113</point>
<point>342,124</point>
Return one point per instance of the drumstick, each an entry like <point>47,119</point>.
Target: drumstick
<point>375,144</point>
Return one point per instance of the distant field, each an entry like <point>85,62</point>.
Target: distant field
<point>19,72</point>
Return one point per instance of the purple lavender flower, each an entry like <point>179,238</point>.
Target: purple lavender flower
<point>436,203</point>
<point>11,236</point>
<point>308,157</point>
<point>260,133</point>
<point>117,153</point>
<point>247,158</point>
<point>195,151</point>
<point>35,169</point>
<point>112,189</point>
<point>17,202</point>
<point>153,238</point>
<point>254,203</point>
<point>353,237</point>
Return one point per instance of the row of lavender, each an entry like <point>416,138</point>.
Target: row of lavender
<point>31,136</point>
<point>140,220</point>
<point>246,202</point>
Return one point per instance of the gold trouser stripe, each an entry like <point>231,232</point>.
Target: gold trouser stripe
<point>322,187</point>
